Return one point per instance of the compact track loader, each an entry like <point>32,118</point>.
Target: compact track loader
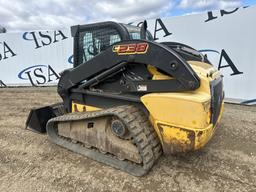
<point>128,99</point>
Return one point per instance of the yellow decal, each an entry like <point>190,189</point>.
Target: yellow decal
<point>130,49</point>
<point>77,107</point>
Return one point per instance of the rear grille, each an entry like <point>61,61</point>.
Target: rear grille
<point>217,98</point>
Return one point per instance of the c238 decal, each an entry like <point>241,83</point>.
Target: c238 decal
<point>131,49</point>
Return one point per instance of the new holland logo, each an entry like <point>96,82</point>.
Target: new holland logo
<point>131,49</point>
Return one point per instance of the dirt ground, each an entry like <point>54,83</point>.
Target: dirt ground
<point>29,162</point>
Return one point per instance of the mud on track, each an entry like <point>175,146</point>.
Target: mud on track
<point>29,162</point>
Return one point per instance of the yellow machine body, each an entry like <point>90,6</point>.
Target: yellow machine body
<point>182,120</point>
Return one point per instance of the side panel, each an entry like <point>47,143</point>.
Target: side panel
<point>179,109</point>
<point>182,124</point>
<point>187,121</point>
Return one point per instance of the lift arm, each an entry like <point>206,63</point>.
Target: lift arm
<point>145,52</point>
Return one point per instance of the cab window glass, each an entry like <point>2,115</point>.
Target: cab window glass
<point>92,42</point>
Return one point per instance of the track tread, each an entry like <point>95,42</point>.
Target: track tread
<point>142,132</point>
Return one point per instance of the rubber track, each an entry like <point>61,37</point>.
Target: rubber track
<point>143,137</point>
<point>151,135</point>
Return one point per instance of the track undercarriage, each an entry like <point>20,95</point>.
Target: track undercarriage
<point>98,135</point>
